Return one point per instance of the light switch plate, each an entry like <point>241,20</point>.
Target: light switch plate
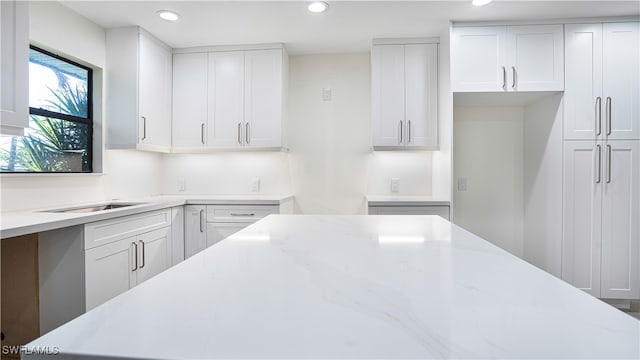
<point>395,185</point>
<point>326,94</point>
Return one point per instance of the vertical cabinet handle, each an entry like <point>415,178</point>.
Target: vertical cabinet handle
<point>599,116</point>
<point>504,78</point>
<point>240,133</point>
<point>144,128</point>
<point>201,220</point>
<point>142,246</point>
<point>515,78</point>
<point>598,178</point>
<point>608,115</point>
<point>246,134</point>
<point>202,133</point>
<point>135,256</point>
<point>400,132</point>
<point>608,164</point>
<point>408,131</point>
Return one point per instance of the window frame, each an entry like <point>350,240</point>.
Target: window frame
<point>66,117</point>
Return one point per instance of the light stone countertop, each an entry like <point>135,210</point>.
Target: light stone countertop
<point>16,223</point>
<point>350,286</point>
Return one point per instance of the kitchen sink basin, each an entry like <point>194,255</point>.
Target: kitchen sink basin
<point>94,208</point>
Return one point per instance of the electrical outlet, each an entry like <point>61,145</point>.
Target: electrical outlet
<point>395,185</point>
<point>462,183</point>
<point>326,94</point>
<point>255,185</point>
<point>182,185</point>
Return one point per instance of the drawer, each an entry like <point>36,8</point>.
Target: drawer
<point>107,231</point>
<point>441,210</point>
<point>239,213</point>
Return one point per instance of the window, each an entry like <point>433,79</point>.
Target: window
<point>59,137</point>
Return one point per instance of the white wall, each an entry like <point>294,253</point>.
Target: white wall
<point>127,173</point>
<point>226,173</point>
<point>488,151</point>
<point>543,184</point>
<point>332,165</point>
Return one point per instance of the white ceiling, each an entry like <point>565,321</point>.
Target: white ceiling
<point>348,26</point>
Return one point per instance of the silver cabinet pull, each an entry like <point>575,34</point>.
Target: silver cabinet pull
<point>242,214</point>
<point>504,78</point>
<point>609,164</point>
<point>240,133</point>
<point>202,133</point>
<point>400,132</point>
<point>608,115</point>
<point>598,178</point>
<point>515,77</point>
<point>246,133</point>
<point>135,256</point>
<point>599,115</point>
<point>144,128</point>
<point>201,220</point>
<point>142,245</point>
<point>408,131</point>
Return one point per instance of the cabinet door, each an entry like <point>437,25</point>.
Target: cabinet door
<point>189,99</point>
<point>421,95</point>
<point>263,98</point>
<point>226,99</point>
<point>388,87</point>
<point>583,105</point>
<point>621,220</point>
<point>621,80</point>
<point>582,210</point>
<point>154,92</point>
<point>535,58</point>
<point>109,271</point>
<point>14,75</point>
<point>194,229</point>
<point>479,58</point>
<point>217,232</point>
<point>154,253</point>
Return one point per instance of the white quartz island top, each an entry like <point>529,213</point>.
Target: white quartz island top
<point>16,223</point>
<point>314,286</point>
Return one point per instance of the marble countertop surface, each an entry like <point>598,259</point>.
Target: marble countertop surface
<point>16,223</point>
<point>406,200</point>
<point>349,286</point>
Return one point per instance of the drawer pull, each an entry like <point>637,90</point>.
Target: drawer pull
<point>242,214</point>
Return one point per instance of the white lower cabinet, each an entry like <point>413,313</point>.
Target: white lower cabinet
<point>195,230</point>
<point>123,252</point>
<point>601,208</point>
<point>217,232</point>
<point>440,210</point>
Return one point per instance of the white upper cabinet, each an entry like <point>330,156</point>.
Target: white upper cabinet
<point>138,116</point>
<point>602,81</point>
<point>479,59</point>
<point>263,98</point>
<point>14,63</point>
<point>405,96</point>
<point>228,99</point>
<point>189,117</point>
<point>621,80</point>
<point>508,58</point>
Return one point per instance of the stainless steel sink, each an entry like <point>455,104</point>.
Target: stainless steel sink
<point>94,208</point>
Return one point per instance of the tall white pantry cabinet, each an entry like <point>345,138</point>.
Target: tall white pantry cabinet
<point>601,201</point>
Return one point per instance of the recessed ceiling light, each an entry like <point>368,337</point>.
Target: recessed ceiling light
<point>480,2</point>
<point>318,6</point>
<point>168,15</point>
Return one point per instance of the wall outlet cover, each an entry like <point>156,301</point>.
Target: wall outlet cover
<point>462,183</point>
<point>395,185</point>
<point>182,185</point>
<point>255,185</point>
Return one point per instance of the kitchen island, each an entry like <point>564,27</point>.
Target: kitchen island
<point>323,286</point>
